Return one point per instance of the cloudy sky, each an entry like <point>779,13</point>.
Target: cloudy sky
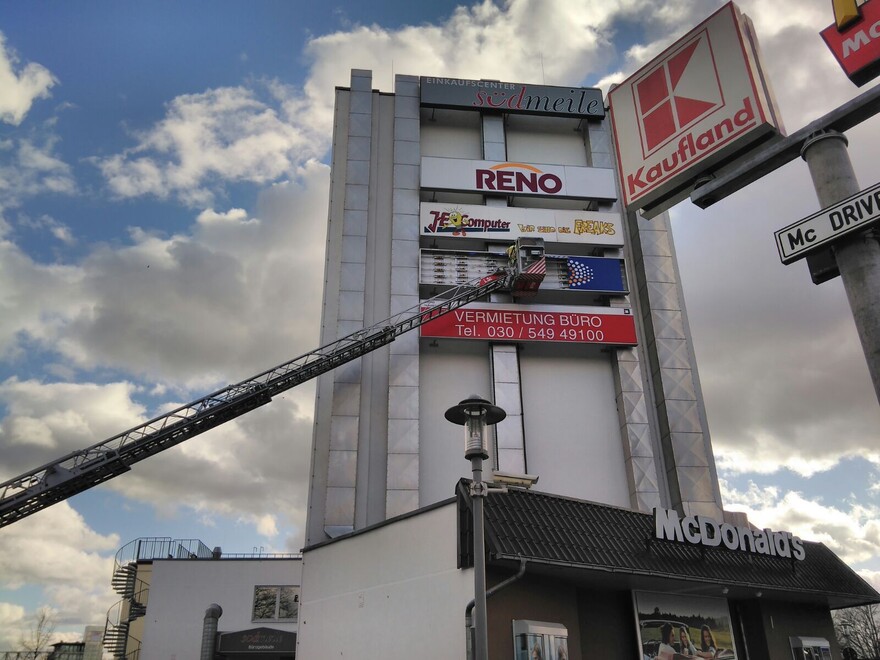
<point>163,193</point>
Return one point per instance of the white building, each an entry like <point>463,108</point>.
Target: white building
<point>168,586</point>
<point>622,425</point>
<point>430,185</point>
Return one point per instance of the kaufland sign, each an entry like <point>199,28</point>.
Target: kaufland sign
<point>693,107</point>
<point>854,38</point>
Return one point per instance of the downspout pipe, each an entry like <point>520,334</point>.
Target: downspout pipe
<point>209,631</point>
<point>468,611</point>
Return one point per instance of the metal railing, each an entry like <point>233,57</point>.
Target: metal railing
<point>160,547</point>
<point>69,654</point>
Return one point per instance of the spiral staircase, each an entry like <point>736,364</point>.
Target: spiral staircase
<point>134,592</point>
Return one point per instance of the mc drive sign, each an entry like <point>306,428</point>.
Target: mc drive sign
<point>702,100</point>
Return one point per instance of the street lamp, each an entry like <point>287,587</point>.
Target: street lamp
<point>475,414</point>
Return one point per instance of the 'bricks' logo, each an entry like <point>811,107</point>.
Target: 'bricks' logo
<point>678,92</point>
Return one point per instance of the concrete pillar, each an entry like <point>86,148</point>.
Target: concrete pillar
<point>858,257</point>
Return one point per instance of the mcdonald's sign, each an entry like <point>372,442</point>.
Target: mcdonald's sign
<point>854,38</point>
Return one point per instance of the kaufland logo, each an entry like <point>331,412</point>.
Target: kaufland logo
<point>677,93</point>
<point>518,178</point>
<point>683,116</point>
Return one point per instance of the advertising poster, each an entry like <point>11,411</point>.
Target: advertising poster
<point>613,326</point>
<point>509,223</point>
<point>674,627</point>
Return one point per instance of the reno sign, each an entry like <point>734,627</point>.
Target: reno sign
<point>696,105</point>
<point>522,179</point>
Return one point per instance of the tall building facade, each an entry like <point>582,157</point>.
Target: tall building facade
<point>430,185</point>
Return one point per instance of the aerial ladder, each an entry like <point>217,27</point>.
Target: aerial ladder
<point>80,470</point>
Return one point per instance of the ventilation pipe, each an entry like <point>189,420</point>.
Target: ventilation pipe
<point>209,631</point>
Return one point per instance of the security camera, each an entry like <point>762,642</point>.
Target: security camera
<point>514,480</point>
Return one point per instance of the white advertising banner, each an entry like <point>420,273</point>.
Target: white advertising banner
<point>693,107</point>
<point>509,223</point>
<point>500,178</point>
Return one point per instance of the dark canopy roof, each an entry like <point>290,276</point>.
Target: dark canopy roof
<point>590,542</point>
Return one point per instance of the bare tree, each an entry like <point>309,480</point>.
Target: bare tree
<point>858,629</point>
<point>35,642</point>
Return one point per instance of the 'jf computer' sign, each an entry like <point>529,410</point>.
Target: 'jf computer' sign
<point>854,38</point>
<point>695,106</point>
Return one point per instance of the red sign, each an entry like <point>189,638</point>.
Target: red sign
<point>516,323</point>
<point>677,93</point>
<point>857,47</point>
<point>509,177</point>
<point>692,109</point>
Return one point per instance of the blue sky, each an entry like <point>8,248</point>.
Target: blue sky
<point>163,190</point>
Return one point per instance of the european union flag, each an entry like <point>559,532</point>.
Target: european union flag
<point>595,274</point>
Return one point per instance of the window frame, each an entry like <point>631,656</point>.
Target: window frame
<point>279,590</point>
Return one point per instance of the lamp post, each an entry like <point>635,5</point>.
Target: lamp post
<point>475,414</point>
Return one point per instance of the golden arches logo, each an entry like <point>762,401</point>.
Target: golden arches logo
<point>846,12</point>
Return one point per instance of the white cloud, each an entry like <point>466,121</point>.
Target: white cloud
<point>47,223</point>
<point>222,135</point>
<point>21,86</point>
<point>56,550</point>
<point>12,624</point>
<point>853,534</point>
<point>232,295</point>
<point>47,420</point>
<point>871,577</point>
<point>267,525</point>
<point>32,168</point>
<point>232,216</point>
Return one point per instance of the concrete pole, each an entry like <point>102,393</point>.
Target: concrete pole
<point>858,257</point>
<point>481,621</point>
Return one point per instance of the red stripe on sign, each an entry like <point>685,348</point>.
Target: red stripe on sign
<point>508,325</point>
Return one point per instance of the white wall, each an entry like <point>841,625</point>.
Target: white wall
<point>393,592</point>
<point>545,140</point>
<point>572,433</point>
<point>448,374</point>
<point>452,134</point>
<point>181,591</point>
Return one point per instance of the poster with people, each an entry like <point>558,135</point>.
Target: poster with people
<point>675,627</point>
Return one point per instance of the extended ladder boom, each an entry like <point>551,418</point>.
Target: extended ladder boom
<point>80,470</point>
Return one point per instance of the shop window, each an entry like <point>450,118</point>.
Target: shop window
<point>810,648</point>
<point>276,603</point>
<point>539,640</point>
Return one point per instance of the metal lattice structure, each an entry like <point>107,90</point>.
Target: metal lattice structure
<point>80,470</point>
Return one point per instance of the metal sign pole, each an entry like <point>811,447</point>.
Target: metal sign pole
<point>858,257</point>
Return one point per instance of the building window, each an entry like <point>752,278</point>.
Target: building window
<point>276,603</point>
